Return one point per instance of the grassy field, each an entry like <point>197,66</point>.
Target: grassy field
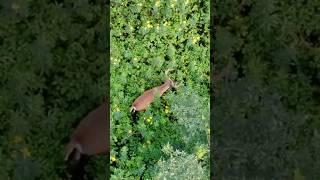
<point>147,38</point>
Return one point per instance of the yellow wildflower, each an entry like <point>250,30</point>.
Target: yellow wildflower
<point>25,151</point>
<point>166,23</point>
<point>17,139</point>
<point>148,25</point>
<point>158,3</point>
<point>201,152</point>
<point>166,110</point>
<point>130,131</point>
<point>173,3</point>
<point>113,158</point>
<point>15,6</point>
<point>148,142</point>
<point>195,39</point>
<point>149,119</point>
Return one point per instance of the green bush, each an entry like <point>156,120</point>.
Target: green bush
<point>52,72</point>
<point>266,103</point>
<point>147,38</point>
<point>179,165</point>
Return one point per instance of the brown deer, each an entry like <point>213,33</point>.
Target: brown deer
<point>143,101</point>
<point>91,135</point>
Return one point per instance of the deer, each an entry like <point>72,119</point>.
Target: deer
<point>89,138</point>
<point>143,101</point>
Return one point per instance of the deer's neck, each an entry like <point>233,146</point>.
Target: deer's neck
<point>163,88</point>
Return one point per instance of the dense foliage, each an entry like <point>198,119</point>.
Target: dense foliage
<point>266,106</point>
<point>52,72</point>
<point>147,38</point>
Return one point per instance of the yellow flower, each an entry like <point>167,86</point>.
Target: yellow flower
<point>166,23</point>
<point>17,139</point>
<point>113,158</point>
<point>201,152</point>
<point>148,142</point>
<point>15,6</point>
<point>166,110</point>
<point>158,3</point>
<point>195,39</point>
<point>148,25</point>
<point>173,3</point>
<point>130,131</point>
<point>25,151</point>
<point>117,109</point>
<point>115,60</point>
<point>149,119</point>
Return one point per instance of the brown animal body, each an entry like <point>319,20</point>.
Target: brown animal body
<point>143,101</point>
<point>91,135</point>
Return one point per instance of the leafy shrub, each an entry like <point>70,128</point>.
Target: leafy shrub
<point>53,72</point>
<point>179,165</point>
<point>192,112</point>
<point>266,99</point>
<point>147,38</point>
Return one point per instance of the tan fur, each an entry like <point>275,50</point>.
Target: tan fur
<point>90,137</point>
<point>143,101</point>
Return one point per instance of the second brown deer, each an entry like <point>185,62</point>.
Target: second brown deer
<point>91,135</point>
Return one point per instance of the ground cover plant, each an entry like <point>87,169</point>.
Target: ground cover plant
<point>147,38</point>
<point>266,106</point>
<point>52,72</point>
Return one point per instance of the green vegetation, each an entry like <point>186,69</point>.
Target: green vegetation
<point>148,38</point>
<point>52,72</point>
<point>266,107</point>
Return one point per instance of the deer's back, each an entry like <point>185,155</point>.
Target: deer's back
<point>91,133</point>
